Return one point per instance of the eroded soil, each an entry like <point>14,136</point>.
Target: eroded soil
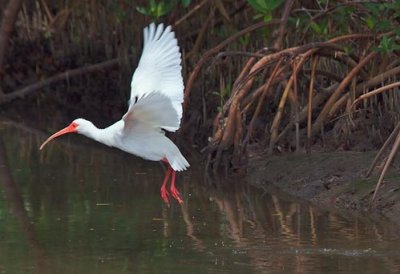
<point>333,180</point>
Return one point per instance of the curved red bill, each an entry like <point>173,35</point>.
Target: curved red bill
<point>69,129</point>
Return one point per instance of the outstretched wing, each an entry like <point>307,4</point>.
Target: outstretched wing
<point>153,112</point>
<point>159,70</point>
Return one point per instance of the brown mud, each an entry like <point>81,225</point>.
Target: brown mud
<point>332,180</point>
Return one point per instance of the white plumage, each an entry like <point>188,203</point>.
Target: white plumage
<point>142,132</point>
<point>159,68</point>
<point>155,105</point>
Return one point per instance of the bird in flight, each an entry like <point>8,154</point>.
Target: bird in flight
<point>155,106</point>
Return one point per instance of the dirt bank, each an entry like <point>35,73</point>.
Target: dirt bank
<point>335,179</point>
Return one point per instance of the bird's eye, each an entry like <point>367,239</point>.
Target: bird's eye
<point>75,125</point>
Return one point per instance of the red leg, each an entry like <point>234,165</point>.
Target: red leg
<point>174,191</point>
<point>164,191</point>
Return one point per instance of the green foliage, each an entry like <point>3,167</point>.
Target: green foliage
<point>245,39</point>
<point>264,8</point>
<point>119,12</point>
<point>320,28</point>
<point>381,16</point>
<point>343,19</point>
<point>185,3</point>
<point>156,9</point>
<point>223,94</point>
<point>387,45</point>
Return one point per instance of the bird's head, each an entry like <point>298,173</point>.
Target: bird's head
<point>79,125</point>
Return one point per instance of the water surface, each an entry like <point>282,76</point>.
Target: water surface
<point>78,207</point>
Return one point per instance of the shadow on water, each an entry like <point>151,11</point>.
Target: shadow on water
<point>78,207</point>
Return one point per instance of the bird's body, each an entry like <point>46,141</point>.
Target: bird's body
<point>155,106</point>
<point>141,143</point>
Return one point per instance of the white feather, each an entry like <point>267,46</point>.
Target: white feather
<point>155,110</point>
<point>152,144</point>
<point>159,68</point>
<point>142,134</point>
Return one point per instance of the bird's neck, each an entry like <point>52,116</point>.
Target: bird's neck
<point>105,135</point>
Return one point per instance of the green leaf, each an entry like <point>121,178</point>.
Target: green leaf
<point>315,27</point>
<point>273,4</point>
<point>262,4</point>
<point>186,3</point>
<point>384,42</point>
<point>384,25</point>
<point>395,47</point>
<point>370,23</point>
<point>267,18</point>
<point>258,5</point>
<point>265,6</point>
<point>387,45</point>
<point>156,10</point>
<point>380,50</point>
<point>142,10</point>
<point>245,39</point>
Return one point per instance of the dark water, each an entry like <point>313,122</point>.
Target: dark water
<point>81,208</point>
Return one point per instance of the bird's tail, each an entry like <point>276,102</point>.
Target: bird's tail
<point>176,160</point>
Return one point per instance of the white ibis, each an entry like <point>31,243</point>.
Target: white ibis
<point>155,105</point>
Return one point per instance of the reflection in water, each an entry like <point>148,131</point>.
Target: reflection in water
<point>15,202</point>
<point>82,208</point>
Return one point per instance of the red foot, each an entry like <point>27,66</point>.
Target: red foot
<point>174,191</point>
<point>176,195</point>
<point>164,192</point>
<point>164,195</point>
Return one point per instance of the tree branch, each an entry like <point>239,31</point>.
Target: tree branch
<point>58,77</point>
<point>7,28</point>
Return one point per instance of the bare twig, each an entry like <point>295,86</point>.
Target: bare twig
<point>375,92</point>
<point>331,101</point>
<point>58,77</point>
<point>235,53</point>
<point>389,160</point>
<point>376,80</point>
<point>310,101</point>
<point>261,99</point>
<point>202,33</point>
<point>216,49</point>
<point>282,27</point>
<point>192,11</point>
<point>372,93</point>
<point>7,28</point>
<point>383,148</point>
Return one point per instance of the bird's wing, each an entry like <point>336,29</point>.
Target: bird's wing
<point>142,134</point>
<point>159,70</point>
<point>152,112</point>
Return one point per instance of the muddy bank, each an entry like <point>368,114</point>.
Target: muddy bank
<point>333,180</point>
